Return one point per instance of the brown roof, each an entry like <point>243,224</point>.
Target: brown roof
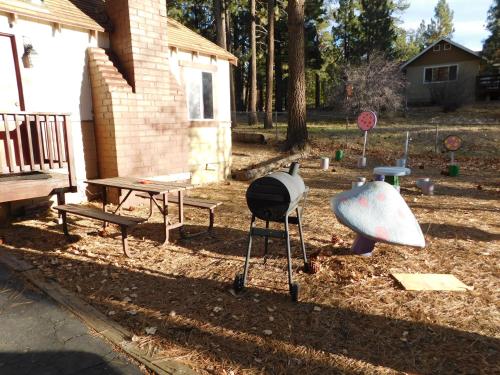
<point>90,14</point>
<point>186,39</point>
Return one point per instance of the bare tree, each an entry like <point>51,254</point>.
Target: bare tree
<point>377,85</point>
<point>252,103</point>
<point>296,135</point>
<point>268,122</point>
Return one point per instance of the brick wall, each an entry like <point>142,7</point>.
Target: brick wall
<point>140,112</point>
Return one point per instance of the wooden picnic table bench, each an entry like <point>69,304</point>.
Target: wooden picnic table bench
<point>125,222</point>
<point>208,205</point>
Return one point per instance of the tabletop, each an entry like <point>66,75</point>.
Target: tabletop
<point>392,171</point>
<point>140,184</point>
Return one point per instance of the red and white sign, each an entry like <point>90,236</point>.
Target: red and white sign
<point>452,142</point>
<point>367,120</point>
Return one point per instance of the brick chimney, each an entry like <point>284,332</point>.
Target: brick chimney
<point>141,127</point>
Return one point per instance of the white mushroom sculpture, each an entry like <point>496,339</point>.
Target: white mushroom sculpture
<point>376,212</point>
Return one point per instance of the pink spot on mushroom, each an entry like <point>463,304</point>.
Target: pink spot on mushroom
<point>381,197</point>
<point>363,201</point>
<point>381,232</point>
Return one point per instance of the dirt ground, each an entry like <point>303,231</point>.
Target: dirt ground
<point>352,317</point>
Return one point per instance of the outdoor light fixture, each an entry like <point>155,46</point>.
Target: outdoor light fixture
<point>29,56</point>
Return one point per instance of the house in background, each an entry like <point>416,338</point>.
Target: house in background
<point>442,64</point>
<point>147,97</point>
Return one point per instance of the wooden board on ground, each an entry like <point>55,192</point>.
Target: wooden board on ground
<point>430,281</point>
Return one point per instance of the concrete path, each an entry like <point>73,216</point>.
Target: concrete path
<point>39,337</point>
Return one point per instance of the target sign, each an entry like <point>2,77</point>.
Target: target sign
<point>452,142</point>
<point>367,120</point>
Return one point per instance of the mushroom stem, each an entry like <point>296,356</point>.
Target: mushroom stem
<point>363,246</point>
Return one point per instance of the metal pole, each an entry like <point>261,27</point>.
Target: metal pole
<point>364,143</point>
<point>436,140</point>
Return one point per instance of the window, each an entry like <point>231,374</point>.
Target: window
<point>447,46</point>
<point>437,47</point>
<point>441,74</point>
<point>200,94</point>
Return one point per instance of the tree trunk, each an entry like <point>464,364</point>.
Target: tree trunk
<point>268,121</point>
<point>296,135</point>
<point>317,102</point>
<point>252,102</point>
<point>229,47</point>
<point>278,103</point>
<point>220,23</point>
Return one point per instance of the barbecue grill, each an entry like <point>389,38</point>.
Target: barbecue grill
<point>274,198</point>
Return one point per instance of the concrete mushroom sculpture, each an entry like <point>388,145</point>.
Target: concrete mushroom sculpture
<point>377,213</point>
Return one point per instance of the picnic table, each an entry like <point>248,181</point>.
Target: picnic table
<point>151,188</point>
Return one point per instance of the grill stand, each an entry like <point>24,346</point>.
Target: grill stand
<point>241,279</point>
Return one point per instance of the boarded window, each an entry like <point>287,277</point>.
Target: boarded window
<point>441,74</point>
<point>199,87</point>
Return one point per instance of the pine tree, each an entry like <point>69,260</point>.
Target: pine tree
<point>441,25</point>
<point>377,26</point>
<point>296,134</point>
<point>491,46</point>
<point>268,121</point>
<point>346,30</point>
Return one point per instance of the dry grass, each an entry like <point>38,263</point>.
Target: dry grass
<point>363,321</point>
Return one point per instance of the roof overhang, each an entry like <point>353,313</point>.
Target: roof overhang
<point>437,42</point>
<point>44,13</point>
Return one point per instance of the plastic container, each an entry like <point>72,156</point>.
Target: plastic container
<point>325,163</point>
<point>361,162</point>
<point>428,188</point>
<point>339,155</point>
<point>453,170</point>
<point>422,181</point>
<point>356,184</point>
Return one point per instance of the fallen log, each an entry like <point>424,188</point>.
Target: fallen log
<point>258,138</point>
<point>261,169</point>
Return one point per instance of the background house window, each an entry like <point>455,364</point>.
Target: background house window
<point>441,74</point>
<point>437,47</point>
<point>200,94</point>
<point>447,46</point>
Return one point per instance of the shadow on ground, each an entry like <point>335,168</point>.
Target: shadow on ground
<point>303,339</point>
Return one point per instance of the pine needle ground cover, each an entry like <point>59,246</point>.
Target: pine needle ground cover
<point>352,317</point>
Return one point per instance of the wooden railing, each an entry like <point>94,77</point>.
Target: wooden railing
<point>489,82</point>
<point>36,142</point>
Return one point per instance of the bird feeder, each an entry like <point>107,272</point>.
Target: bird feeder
<point>377,213</point>
<point>366,121</point>
<point>453,143</point>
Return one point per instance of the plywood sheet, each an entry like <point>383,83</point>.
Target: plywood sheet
<point>430,281</point>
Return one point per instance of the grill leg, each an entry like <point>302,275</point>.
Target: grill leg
<point>266,243</point>
<point>304,255</point>
<point>247,260</point>
<point>288,252</point>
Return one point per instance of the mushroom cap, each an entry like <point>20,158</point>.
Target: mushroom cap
<point>392,171</point>
<point>377,211</point>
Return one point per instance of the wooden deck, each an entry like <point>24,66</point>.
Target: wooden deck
<point>29,187</point>
<point>36,155</point>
